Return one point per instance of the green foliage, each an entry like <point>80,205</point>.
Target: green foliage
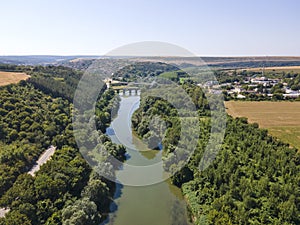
<point>143,69</point>
<point>97,191</point>
<point>82,212</point>
<point>30,122</point>
<point>15,218</point>
<point>295,82</point>
<point>57,81</point>
<point>104,107</point>
<point>30,116</point>
<point>253,180</point>
<point>152,107</point>
<point>175,76</point>
<point>14,68</point>
<point>277,89</point>
<point>249,182</point>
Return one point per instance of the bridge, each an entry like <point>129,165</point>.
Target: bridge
<point>131,88</point>
<point>128,91</point>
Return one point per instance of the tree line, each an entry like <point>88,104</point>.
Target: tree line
<point>253,180</point>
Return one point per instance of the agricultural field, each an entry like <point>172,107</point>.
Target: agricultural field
<point>11,77</point>
<point>295,69</point>
<point>273,71</point>
<point>282,119</point>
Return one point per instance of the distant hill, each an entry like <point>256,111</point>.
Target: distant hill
<point>215,62</point>
<point>83,62</point>
<point>227,62</point>
<point>39,59</point>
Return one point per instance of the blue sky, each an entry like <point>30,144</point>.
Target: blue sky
<point>206,28</point>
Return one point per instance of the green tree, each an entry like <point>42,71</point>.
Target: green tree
<point>15,218</point>
<point>82,212</point>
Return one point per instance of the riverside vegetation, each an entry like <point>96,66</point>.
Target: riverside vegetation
<point>253,180</point>
<point>34,115</point>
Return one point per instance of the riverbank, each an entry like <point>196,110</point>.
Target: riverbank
<point>160,203</point>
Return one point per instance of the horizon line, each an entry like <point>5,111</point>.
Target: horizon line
<point>108,56</point>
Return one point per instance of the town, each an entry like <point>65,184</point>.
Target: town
<point>258,86</point>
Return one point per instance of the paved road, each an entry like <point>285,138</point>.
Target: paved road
<point>42,160</point>
<point>3,211</point>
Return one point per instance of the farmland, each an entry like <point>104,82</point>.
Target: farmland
<point>282,119</point>
<point>277,69</point>
<point>272,71</point>
<point>11,77</point>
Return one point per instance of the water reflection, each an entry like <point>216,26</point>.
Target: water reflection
<point>158,204</point>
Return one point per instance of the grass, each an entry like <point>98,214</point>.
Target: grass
<point>282,119</point>
<point>182,79</point>
<point>175,75</point>
<point>289,135</point>
<point>169,75</point>
<point>11,77</point>
<point>275,70</point>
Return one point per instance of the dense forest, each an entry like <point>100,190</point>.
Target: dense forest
<point>250,182</point>
<point>34,115</point>
<point>30,122</point>
<point>56,81</point>
<point>253,180</point>
<point>136,70</point>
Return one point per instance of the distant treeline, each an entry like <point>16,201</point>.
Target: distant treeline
<point>142,70</point>
<point>254,64</point>
<point>14,68</point>
<point>57,81</point>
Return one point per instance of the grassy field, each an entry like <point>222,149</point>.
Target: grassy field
<point>282,119</point>
<point>11,77</point>
<point>275,70</point>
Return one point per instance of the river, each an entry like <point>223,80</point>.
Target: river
<point>157,204</point>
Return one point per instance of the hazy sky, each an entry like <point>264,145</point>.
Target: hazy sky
<point>206,28</point>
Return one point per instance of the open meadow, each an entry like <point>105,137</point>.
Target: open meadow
<point>274,70</point>
<point>11,77</point>
<point>282,119</point>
